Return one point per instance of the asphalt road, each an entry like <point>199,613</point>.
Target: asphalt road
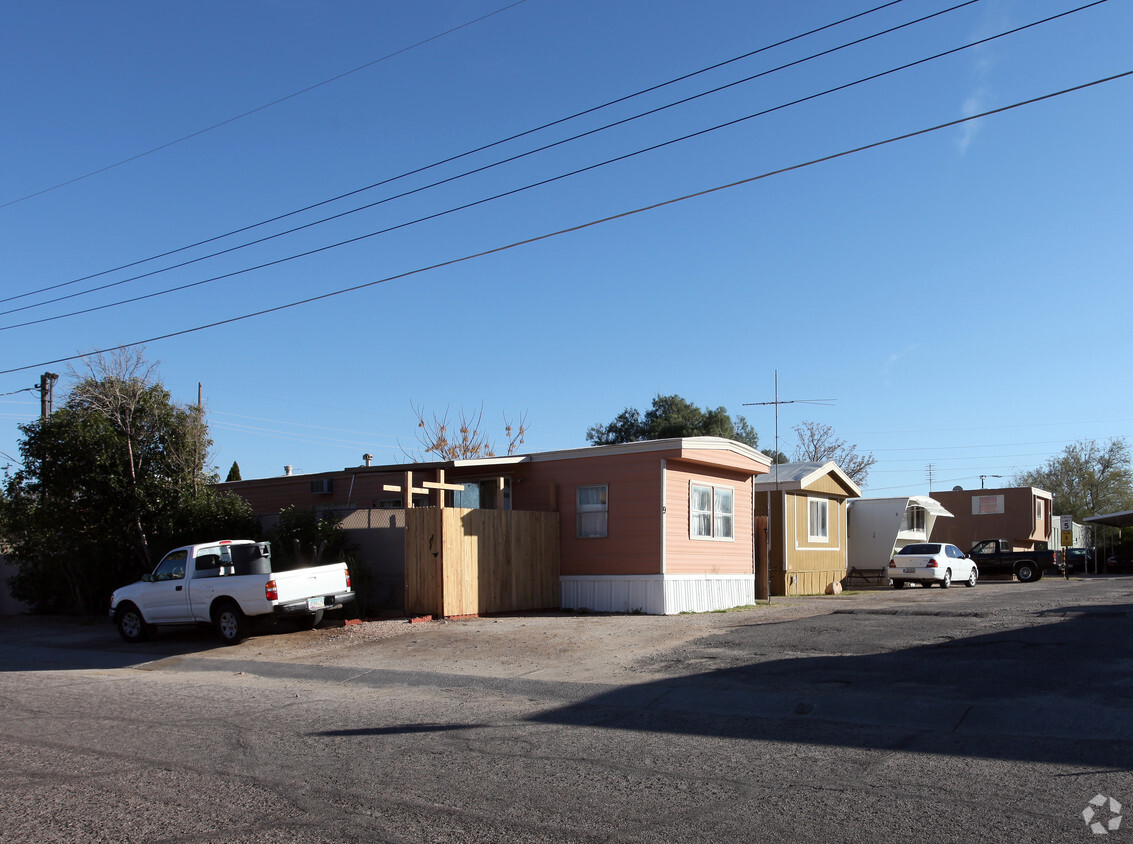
<point>989,714</point>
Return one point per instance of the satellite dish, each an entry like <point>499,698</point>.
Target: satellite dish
<point>957,488</point>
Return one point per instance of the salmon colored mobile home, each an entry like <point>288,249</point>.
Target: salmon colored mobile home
<point>662,526</point>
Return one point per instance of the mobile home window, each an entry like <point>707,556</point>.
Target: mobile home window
<point>818,519</point>
<point>593,511</point>
<point>987,505</point>
<point>914,519</point>
<point>711,512</point>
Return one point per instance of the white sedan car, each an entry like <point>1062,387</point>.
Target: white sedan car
<point>932,562</point>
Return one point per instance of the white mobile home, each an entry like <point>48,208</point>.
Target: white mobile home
<point>879,527</point>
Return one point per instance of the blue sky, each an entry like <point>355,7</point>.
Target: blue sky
<point>959,295</point>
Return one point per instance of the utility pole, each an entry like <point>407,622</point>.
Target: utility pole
<point>763,578</point>
<point>197,451</point>
<point>46,387</point>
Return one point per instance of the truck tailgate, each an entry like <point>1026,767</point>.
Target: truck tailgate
<point>299,584</point>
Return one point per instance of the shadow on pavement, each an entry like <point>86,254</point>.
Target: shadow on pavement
<point>1057,692</point>
<point>53,643</point>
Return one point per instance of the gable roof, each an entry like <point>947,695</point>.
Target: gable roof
<point>799,476</point>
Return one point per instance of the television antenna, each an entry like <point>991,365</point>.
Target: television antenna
<point>778,401</point>
<point>775,466</point>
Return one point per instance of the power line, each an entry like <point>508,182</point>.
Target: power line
<point>966,458</point>
<point>955,447</point>
<point>582,226</point>
<point>453,158</point>
<point>260,108</point>
<point>532,185</point>
<point>300,437</point>
<point>296,424</point>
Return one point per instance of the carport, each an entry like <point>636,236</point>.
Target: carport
<point>1119,520</point>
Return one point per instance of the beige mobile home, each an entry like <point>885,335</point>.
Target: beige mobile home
<point>805,504</point>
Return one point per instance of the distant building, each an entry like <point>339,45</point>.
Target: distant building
<point>1021,515</point>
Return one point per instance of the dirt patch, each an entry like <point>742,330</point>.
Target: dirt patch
<point>551,646</point>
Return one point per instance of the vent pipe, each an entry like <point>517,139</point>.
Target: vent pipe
<point>287,470</point>
<point>367,459</point>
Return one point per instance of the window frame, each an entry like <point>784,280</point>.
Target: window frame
<point>602,509</point>
<point>915,519</point>
<point>714,514</point>
<point>823,505</point>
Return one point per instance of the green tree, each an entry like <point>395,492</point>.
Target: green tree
<point>307,536</point>
<point>817,443</point>
<point>627,427</point>
<point>777,456</point>
<point>233,473</point>
<point>116,470</point>
<point>1087,479</point>
<point>672,416</point>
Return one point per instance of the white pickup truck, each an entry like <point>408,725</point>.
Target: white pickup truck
<point>226,583</point>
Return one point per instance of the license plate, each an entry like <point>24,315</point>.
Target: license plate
<point>315,603</point>
<point>910,571</point>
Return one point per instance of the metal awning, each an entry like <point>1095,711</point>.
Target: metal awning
<point>1123,519</point>
<point>931,505</point>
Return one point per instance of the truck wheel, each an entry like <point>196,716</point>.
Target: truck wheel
<point>898,584</point>
<point>131,626</point>
<point>944,584</point>
<point>972,576</point>
<point>1027,572</point>
<point>231,624</point>
<point>309,621</point>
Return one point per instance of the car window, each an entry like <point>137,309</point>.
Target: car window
<point>208,565</point>
<point>921,548</point>
<point>172,567</point>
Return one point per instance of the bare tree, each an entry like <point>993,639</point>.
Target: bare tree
<point>465,439</point>
<point>124,387</point>
<point>114,385</point>
<point>817,443</point>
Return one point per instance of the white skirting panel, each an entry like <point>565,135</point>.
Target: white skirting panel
<point>707,592</point>
<point>657,594</point>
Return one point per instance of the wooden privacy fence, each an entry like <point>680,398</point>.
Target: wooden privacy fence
<point>470,562</point>
<point>759,539</point>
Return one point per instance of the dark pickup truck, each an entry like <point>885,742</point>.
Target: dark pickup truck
<point>994,556</point>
